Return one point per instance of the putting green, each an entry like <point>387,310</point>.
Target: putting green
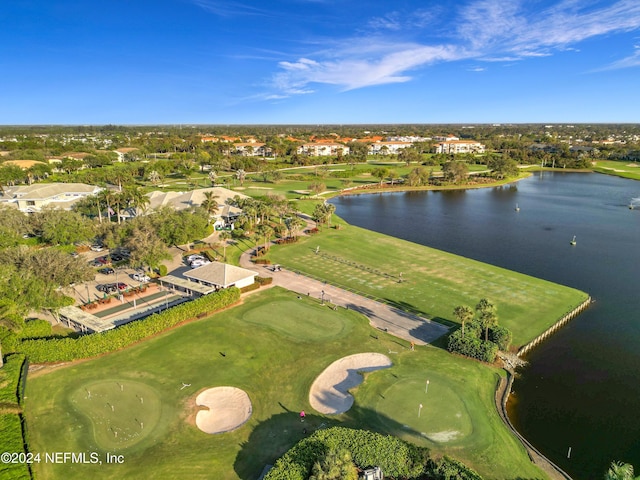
<point>443,418</point>
<point>120,412</point>
<point>298,320</point>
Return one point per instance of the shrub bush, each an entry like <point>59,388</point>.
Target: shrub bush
<point>472,346</point>
<point>264,280</point>
<point>162,270</point>
<point>448,468</point>
<point>501,336</point>
<point>67,349</point>
<point>261,261</point>
<point>394,456</point>
<point>249,288</point>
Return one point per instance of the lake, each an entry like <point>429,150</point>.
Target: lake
<point>581,388</point>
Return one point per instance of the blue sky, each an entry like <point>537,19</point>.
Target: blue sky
<point>318,61</point>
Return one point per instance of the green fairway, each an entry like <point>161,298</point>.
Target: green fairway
<point>271,347</point>
<point>619,168</point>
<point>430,281</point>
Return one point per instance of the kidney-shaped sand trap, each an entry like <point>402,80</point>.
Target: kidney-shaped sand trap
<point>228,409</point>
<point>329,392</point>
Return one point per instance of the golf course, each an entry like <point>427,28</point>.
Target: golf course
<point>272,347</point>
<point>425,280</point>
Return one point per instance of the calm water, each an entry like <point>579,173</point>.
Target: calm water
<point>581,388</point>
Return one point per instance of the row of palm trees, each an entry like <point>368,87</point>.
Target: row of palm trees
<point>108,203</point>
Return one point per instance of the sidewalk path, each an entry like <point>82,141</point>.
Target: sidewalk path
<point>384,317</point>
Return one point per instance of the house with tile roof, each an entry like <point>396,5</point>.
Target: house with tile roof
<point>224,218</point>
<point>32,198</point>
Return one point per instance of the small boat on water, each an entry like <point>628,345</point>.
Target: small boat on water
<point>573,241</point>
<point>517,208</point>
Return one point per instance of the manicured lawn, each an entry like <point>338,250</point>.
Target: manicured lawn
<point>433,282</point>
<point>624,169</point>
<point>272,347</point>
<point>457,417</point>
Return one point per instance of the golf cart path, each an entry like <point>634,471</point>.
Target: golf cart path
<point>384,317</point>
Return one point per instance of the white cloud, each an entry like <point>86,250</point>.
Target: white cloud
<point>627,62</point>
<point>352,72</point>
<point>225,8</point>
<point>488,30</point>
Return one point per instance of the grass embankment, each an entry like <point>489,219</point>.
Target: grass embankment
<point>272,346</point>
<point>433,282</point>
<point>618,168</point>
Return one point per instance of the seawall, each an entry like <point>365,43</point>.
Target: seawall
<point>553,328</point>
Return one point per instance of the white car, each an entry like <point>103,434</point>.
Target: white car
<point>96,248</point>
<point>199,263</point>
<point>140,277</point>
<point>191,258</point>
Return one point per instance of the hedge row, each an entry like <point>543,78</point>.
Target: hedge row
<point>10,375</point>
<point>36,328</point>
<point>264,280</point>
<point>395,457</point>
<point>11,441</point>
<point>250,288</point>
<point>67,349</point>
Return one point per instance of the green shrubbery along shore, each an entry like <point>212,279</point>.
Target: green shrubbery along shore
<point>67,349</point>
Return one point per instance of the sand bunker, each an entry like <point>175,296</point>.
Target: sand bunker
<point>329,392</point>
<point>228,409</point>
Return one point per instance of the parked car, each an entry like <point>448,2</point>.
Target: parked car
<point>97,248</point>
<point>140,277</point>
<point>194,257</point>
<point>116,257</point>
<point>96,263</point>
<point>106,287</point>
<point>107,271</point>
<point>199,263</point>
<point>121,286</point>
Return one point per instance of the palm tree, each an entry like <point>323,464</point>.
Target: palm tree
<point>620,471</point>
<point>224,237</point>
<point>463,314</point>
<point>265,231</point>
<point>109,198</point>
<point>336,465</point>
<point>488,317</point>
<point>154,177</point>
<point>329,208</point>
<point>240,174</point>
<point>294,224</point>
<point>210,203</point>
<point>136,199</point>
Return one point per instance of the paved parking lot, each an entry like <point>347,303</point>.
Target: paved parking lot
<point>88,289</point>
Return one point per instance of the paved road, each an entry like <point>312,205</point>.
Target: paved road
<point>384,317</point>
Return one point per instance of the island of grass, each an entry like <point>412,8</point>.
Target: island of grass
<point>271,348</point>
<point>427,281</point>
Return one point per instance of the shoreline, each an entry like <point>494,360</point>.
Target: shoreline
<point>362,190</point>
<point>503,388</point>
